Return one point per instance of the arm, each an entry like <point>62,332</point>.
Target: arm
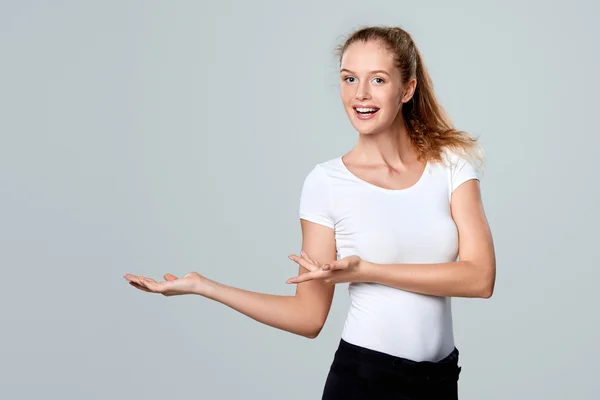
<point>473,276</point>
<point>303,314</point>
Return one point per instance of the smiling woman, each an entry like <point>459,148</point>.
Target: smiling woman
<point>399,217</point>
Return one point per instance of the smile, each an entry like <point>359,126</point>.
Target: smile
<point>365,113</point>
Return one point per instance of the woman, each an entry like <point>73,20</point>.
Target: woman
<point>391,218</point>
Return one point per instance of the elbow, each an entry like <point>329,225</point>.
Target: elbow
<point>486,292</point>
<point>485,288</point>
<point>314,331</point>
<point>311,335</point>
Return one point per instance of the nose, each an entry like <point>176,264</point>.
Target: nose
<point>362,91</point>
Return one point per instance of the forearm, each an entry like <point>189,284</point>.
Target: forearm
<point>454,279</point>
<point>287,313</point>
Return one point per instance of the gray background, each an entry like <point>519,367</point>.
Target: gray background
<point>152,137</point>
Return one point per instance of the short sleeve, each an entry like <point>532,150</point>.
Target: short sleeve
<point>462,171</point>
<point>315,198</point>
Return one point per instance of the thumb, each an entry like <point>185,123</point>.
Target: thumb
<point>169,277</point>
<point>338,265</point>
<point>333,265</point>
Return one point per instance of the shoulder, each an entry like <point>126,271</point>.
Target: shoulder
<point>460,167</point>
<point>323,170</point>
<point>455,160</point>
<point>316,199</point>
<point>318,178</point>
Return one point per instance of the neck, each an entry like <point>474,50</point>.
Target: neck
<point>391,146</point>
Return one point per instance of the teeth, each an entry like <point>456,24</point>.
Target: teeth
<point>366,109</point>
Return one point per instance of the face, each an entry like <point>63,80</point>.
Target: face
<point>371,87</point>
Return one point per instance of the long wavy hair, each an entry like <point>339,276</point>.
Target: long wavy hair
<point>430,128</point>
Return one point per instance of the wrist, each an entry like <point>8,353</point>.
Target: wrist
<point>207,288</point>
<point>367,271</point>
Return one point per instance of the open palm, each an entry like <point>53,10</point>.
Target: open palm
<point>171,286</point>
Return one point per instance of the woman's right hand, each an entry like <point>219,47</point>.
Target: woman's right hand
<point>190,283</point>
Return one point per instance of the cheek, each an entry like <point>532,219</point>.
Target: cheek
<point>392,103</point>
<point>390,97</point>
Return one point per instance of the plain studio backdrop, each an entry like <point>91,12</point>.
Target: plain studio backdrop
<point>149,137</point>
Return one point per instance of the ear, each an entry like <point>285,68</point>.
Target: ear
<point>409,91</point>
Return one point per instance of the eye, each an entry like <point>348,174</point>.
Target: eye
<point>346,79</point>
<point>380,80</point>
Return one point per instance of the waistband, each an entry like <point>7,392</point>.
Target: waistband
<point>352,352</point>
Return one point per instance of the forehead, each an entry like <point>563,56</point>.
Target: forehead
<point>370,55</point>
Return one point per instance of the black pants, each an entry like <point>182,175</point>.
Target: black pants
<point>360,373</point>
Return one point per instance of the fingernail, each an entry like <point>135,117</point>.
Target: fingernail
<point>326,268</point>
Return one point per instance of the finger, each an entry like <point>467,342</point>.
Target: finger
<point>306,256</point>
<point>315,262</point>
<point>135,285</point>
<point>169,277</point>
<point>302,262</point>
<point>141,279</point>
<point>151,284</point>
<point>133,278</point>
<point>307,277</point>
<point>137,282</point>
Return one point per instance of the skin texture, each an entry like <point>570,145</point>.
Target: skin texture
<point>384,157</point>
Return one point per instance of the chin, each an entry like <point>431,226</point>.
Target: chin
<point>366,131</point>
<point>366,127</point>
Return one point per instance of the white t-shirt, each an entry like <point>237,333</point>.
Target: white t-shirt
<point>385,226</point>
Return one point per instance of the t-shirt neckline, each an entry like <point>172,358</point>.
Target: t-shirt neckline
<point>382,189</point>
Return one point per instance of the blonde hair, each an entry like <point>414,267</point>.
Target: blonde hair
<point>430,128</point>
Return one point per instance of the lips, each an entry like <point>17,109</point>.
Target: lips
<point>366,112</point>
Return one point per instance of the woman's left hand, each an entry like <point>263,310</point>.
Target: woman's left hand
<point>347,269</point>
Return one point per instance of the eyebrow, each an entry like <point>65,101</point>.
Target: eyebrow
<point>378,71</point>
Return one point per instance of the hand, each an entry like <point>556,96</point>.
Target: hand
<point>190,283</point>
<point>347,269</point>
